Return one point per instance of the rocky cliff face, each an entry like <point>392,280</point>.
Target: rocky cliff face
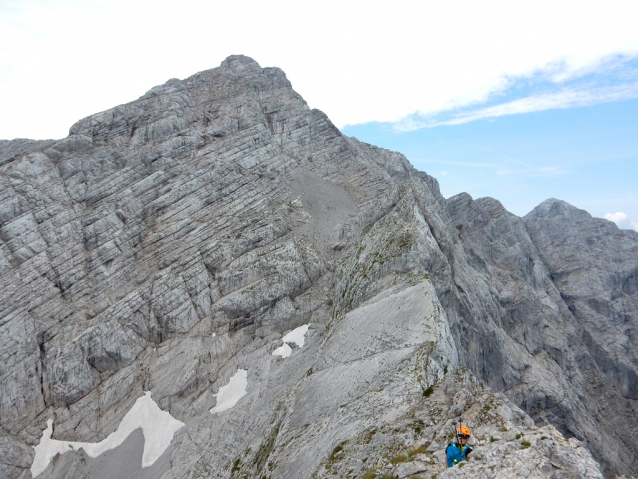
<point>302,304</point>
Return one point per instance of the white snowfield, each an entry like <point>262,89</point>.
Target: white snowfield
<point>230,394</point>
<point>158,428</point>
<point>297,336</point>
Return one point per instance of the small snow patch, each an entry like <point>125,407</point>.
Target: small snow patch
<point>297,336</point>
<point>283,351</point>
<point>230,394</point>
<point>158,428</point>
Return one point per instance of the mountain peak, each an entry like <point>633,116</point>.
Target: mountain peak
<point>240,63</point>
<point>553,207</point>
<point>173,245</point>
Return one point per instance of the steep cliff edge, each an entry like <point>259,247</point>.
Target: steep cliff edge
<point>281,289</point>
<point>578,370</point>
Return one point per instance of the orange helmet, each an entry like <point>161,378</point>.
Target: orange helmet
<point>465,430</point>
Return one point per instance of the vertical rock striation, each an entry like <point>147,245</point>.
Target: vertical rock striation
<point>538,268</point>
<point>169,243</point>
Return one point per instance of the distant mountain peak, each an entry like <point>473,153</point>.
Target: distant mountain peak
<point>240,63</point>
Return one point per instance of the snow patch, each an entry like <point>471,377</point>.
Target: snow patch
<point>283,351</point>
<point>158,428</point>
<point>297,336</point>
<point>230,394</point>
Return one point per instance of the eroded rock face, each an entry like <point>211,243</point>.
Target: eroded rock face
<point>505,442</point>
<point>552,272</point>
<point>169,243</point>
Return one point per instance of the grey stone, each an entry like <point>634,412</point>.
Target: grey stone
<point>168,242</point>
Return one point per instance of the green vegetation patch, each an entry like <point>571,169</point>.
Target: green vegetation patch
<point>266,449</point>
<point>399,458</point>
<point>337,450</point>
<point>525,444</point>
<point>406,241</point>
<point>417,450</point>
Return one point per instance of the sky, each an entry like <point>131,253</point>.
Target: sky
<point>520,101</point>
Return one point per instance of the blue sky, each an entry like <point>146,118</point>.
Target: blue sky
<point>587,156</point>
<point>550,134</point>
<point>520,101</point>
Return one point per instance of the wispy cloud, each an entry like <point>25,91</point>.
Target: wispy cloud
<point>484,148</point>
<point>456,163</point>
<point>536,172</point>
<point>565,98</point>
<point>433,56</point>
<point>621,220</point>
<point>616,217</point>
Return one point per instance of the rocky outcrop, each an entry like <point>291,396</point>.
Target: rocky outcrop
<point>165,248</point>
<point>538,268</point>
<point>13,149</point>
<point>505,442</point>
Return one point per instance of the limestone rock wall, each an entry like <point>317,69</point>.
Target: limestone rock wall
<point>171,242</point>
<point>539,268</point>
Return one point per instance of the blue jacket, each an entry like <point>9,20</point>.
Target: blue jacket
<point>456,453</point>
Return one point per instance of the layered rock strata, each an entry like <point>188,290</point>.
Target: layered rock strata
<point>167,244</point>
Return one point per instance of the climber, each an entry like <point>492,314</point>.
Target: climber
<point>459,450</point>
